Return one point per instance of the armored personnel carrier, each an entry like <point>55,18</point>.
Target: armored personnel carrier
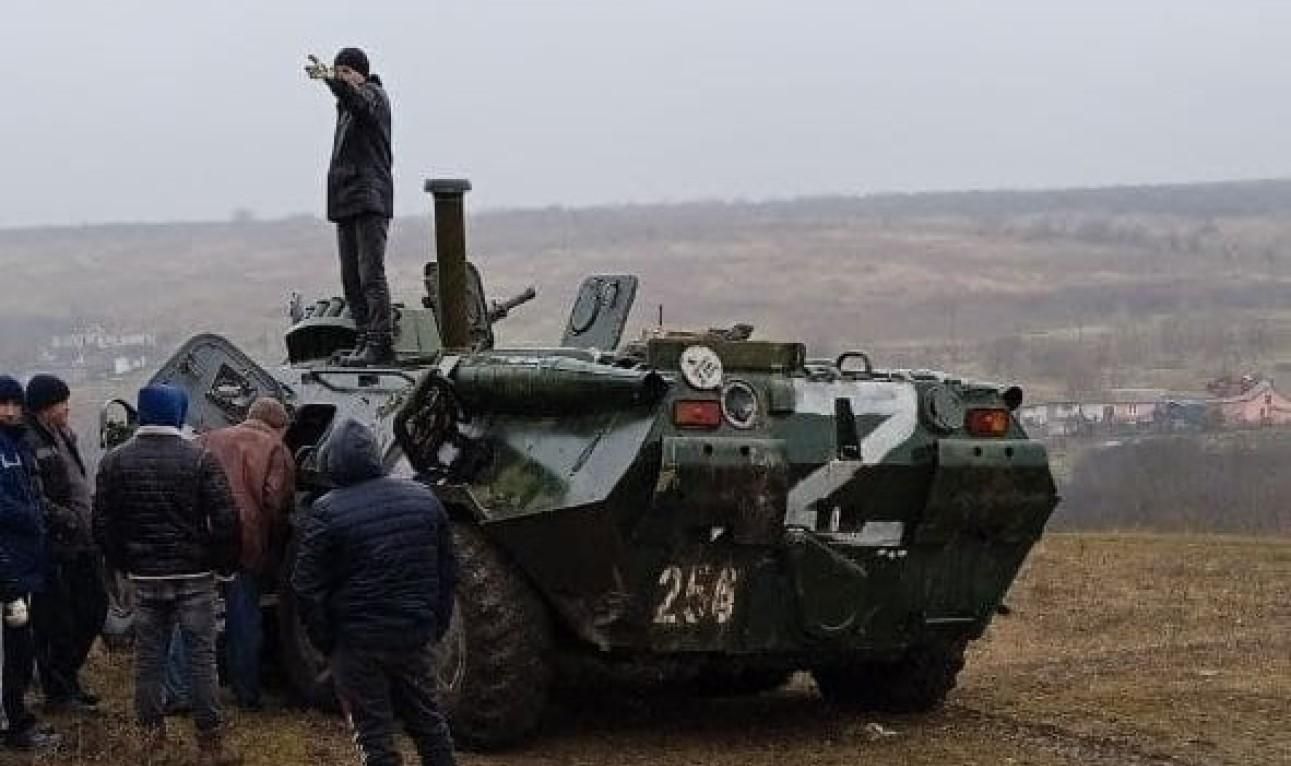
<point>724,509</point>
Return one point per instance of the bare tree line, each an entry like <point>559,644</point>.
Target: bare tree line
<point>1236,484</point>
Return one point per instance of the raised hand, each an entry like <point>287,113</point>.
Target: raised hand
<point>317,70</point>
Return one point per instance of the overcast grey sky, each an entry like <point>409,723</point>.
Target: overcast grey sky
<point>132,110</point>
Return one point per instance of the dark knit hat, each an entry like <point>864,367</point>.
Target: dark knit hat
<point>10,389</point>
<point>45,391</point>
<point>162,405</point>
<point>353,58</point>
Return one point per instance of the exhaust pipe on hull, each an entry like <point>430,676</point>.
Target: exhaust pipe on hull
<point>450,252</point>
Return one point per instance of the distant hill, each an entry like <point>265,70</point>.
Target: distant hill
<point>1065,290</point>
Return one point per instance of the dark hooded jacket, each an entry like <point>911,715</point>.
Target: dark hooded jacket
<point>23,556</point>
<point>376,568</point>
<point>359,177</point>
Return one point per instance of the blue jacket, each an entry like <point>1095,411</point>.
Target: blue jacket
<point>23,554</point>
<point>376,567</point>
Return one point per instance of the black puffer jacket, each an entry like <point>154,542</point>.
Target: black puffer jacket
<point>359,177</point>
<point>376,567</point>
<point>163,508</point>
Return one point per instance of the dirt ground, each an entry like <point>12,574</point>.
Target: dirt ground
<point>1120,650</point>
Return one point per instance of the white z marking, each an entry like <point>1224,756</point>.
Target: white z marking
<point>898,401</point>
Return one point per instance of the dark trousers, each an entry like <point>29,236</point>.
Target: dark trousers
<point>377,687</point>
<point>66,619</point>
<point>19,665</point>
<point>362,244</point>
<point>243,637</point>
<point>160,606</point>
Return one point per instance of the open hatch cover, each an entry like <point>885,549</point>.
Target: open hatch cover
<point>220,380</point>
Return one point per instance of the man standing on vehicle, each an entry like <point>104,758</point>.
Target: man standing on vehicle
<point>70,613</point>
<point>360,198</point>
<point>374,578</point>
<point>22,570</point>
<point>261,474</point>
<point>163,514</point>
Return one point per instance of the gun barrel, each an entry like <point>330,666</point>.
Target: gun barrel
<point>499,309</point>
<point>552,386</point>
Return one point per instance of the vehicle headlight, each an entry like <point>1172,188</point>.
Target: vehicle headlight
<point>943,409</point>
<point>740,404</point>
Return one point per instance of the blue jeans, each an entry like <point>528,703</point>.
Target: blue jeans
<point>243,637</point>
<point>163,605</point>
<point>175,685</point>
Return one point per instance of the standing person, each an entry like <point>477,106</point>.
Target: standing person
<point>22,570</point>
<point>69,614</point>
<point>360,198</point>
<point>163,514</point>
<point>261,474</point>
<point>375,578</point>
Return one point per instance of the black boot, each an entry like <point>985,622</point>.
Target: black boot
<point>377,353</point>
<point>360,344</point>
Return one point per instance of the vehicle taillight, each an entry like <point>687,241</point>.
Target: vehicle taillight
<point>697,414</point>
<point>992,422</point>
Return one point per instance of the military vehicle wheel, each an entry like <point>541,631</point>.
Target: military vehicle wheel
<point>304,666</point>
<point>494,662</point>
<point>916,683</point>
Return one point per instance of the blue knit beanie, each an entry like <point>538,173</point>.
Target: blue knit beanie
<point>10,389</point>
<point>162,405</point>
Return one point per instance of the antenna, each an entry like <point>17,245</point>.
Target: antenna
<point>661,315</point>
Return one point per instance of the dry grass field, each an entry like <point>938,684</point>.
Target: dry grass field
<point>1120,650</point>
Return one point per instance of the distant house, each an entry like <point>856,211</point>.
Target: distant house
<point>1127,410</point>
<point>125,364</point>
<point>96,337</point>
<point>1248,401</point>
<point>1130,413</point>
<point>93,353</point>
<point>1259,404</point>
<point>1051,418</point>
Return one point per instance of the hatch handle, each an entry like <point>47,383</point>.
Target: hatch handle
<point>843,357</point>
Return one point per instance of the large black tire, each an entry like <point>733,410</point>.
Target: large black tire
<point>495,661</point>
<point>303,665</point>
<point>916,683</point>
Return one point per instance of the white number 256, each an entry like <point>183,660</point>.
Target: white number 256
<point>696,594</point>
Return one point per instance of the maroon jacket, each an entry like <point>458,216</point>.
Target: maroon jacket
<point>262,476</point>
